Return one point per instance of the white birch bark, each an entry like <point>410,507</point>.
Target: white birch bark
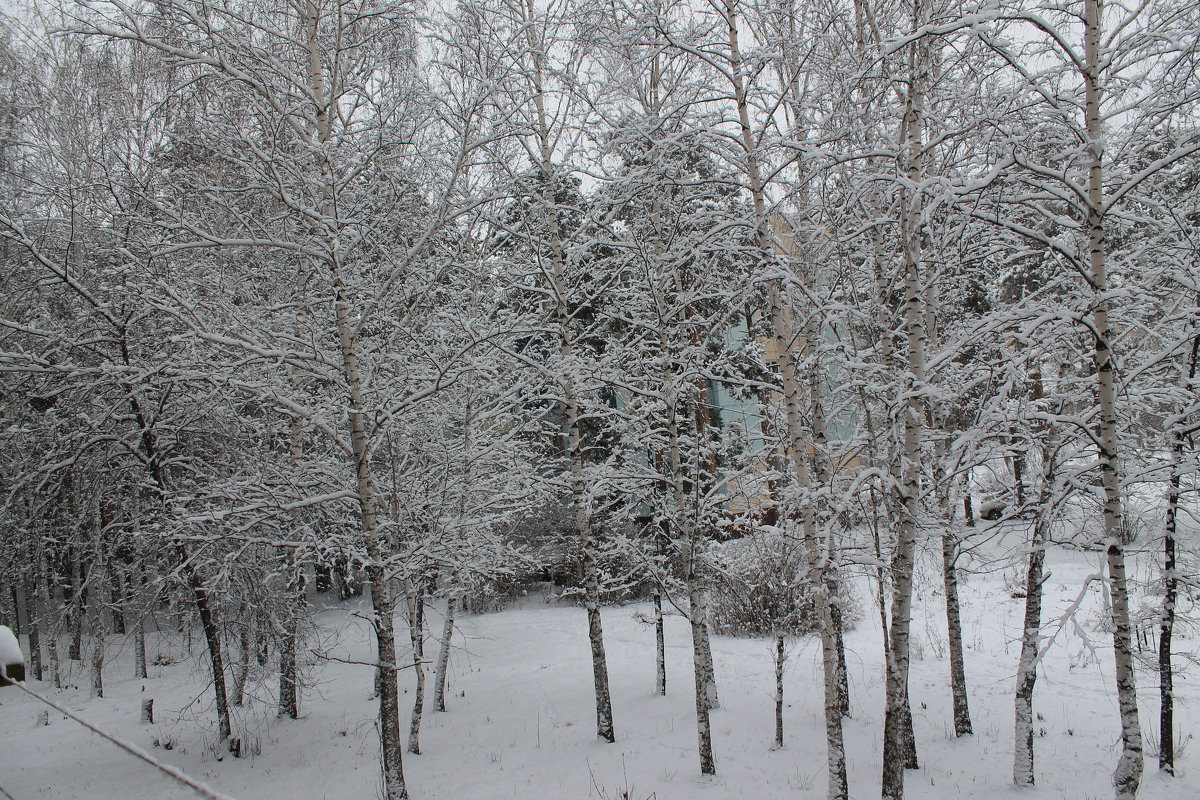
<point>1023,755</point>
<point>1166,673</point>
<point>415,596</point>
<point>1128,772</point>
<point>897,744</point>
<point>443,662</point>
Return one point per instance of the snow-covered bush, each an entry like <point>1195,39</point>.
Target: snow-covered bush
<point>761,587</point>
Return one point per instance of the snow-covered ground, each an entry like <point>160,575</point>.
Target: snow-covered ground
<point>520,719</point>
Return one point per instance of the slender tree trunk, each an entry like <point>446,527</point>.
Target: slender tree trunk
<point>1023,757</point>
<point>77,606</point>
<point>416,631</point>
<point>387,688</point>
<point>781,325</point>
<point>780,658</point>
<point>899,743</point>
<point>880,575</point>
<point>937,420</point>
<point>604,722</point>
<point>958,673</point>
<point>212,637</point>
<point>1018,470</point>
<point>660,647</point>
<point>443,664</point>
<point>382,599</point>
<point>138,616</point>
<point>1166,673</point>
<point>52,628</point>
<point>968,508</point>
<point>1128,773</point>
<point>897,738</point>
<point>819,546</point>
<point>35,628</point>
<point>289,705</point>
<point>383,604</point>
<point>118,590</point>
<point>1023,773</point>
<point>704,643</point>
<point>701,667</point>
<point>843,674</point>
<point>98,576</point>
<point>99,634</point>
<point>242,668</point>
<point>571,406</point>
<point>289,668</point>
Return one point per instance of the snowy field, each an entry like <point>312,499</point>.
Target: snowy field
<point>520,718</point>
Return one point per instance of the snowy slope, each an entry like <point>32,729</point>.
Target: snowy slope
<point>520,719</point>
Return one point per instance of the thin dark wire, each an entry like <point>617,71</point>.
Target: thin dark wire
<point>173,772</point>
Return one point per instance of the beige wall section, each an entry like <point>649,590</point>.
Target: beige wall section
<point>749,493</point>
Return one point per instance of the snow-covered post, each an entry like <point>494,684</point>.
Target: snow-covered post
<point>12,660</point>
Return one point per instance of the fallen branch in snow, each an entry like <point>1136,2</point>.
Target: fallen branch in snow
<point>199,788</point>
<point>1069,616</point>
<point>377,664</point>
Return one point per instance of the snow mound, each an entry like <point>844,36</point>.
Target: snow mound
<point>10,649</point>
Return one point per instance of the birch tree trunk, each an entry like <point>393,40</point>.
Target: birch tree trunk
<point>242,668</point>
<point>98,576</point>
<point>382,602</point>
<point>35,628</point>
<point>708,765</point>
<point>780,658</point>
<point>382,598</point>
<point>968,507</point>
<point>76,606</point>
<point>950,538</point>
<point>781,325</point>
<point>43,586</point>
<point>99,632</point>
<point>1023,760</point>
<point>212,637</point>
<point>137,597</point>
<point>819,545</point>
<point>118,589</point>
<point>443,662</point>
<point>898,745</point>
<point>571,406</point>
<point>843,674</point>
<point>289,668</point>
<point>704,647</point>
<point>1166,673</point>
<point>416,632</point>
<point>1128,773</point>
<point>660,647</point>
<point>958,671</point>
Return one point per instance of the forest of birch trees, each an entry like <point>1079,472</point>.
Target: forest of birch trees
<point>425,300</point>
